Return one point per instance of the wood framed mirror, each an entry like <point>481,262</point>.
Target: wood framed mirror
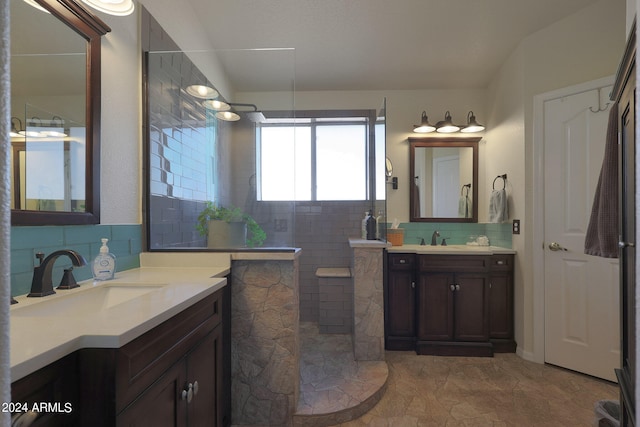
<point>443,179</point>
<point>69,37</point>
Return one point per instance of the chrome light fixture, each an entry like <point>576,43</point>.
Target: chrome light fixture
<point>425,126</point>
<point>472,125</point>
<point>112,7</point>
<point>225,111</point>
<point>446,125</point>
<point>202,91</point>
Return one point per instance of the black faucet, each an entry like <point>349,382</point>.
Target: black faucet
<point>42,285</point>
<point>434,240</point>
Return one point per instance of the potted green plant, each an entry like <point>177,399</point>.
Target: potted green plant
<point>229,227</point>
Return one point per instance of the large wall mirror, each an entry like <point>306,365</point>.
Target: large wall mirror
<point>444,179</point>
<point>55,113</point>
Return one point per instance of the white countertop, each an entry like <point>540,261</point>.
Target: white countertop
<point>40,336</point>
<point>451,250</point>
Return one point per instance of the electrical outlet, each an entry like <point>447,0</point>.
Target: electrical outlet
<point>516,226</point>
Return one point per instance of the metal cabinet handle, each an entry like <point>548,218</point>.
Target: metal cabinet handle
<point>196,387</point>
<point>413,285</point>
<point>452,287</point>
<point>403,261</point>
<point>187,394</point>
<point>500,262</point>
<point>457,287</point>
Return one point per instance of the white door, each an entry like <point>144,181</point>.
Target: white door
<point>446,186</point>
<point>581,291</point>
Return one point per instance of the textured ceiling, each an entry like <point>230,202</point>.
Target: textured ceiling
<point>379,44</point>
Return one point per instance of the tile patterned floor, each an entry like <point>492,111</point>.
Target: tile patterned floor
<point>501,391</point>
<point>410,390</point>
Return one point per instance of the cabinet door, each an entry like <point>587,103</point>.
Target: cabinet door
<point>161,404</point>
<point>435,307</point>
<point>501,304</point>
<point>471,301</point>
<point>401,304</point>
<point>204,375</point>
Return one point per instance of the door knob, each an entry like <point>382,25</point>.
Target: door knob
<point>556,247</point>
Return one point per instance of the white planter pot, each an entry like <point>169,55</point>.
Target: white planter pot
<point>227,235</point>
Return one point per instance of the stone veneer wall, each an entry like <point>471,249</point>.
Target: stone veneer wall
<point>368,307</point>
<point>265,341</point>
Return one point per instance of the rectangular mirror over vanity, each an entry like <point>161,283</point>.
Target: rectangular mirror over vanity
<point>444,179</point>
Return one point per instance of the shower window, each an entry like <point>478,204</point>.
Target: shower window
<point>321,156</point>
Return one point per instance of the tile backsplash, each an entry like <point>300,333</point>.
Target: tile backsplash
<point>125,242</point>
<point>456,233</point>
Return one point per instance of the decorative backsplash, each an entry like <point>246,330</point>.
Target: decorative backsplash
<point>457,233</point>
<point>125,242</point>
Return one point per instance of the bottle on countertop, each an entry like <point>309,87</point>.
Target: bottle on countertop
<point>104,265</point>
<point>370,226</point>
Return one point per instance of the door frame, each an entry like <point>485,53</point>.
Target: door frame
<point>538,352</point>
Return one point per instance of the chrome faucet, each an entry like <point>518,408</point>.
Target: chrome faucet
<point>434,238</point>
<point>42,285</point>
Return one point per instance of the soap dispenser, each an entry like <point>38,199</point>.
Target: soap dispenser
<point>104,266</point>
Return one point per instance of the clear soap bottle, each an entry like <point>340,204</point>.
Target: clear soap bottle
<point>104,266</point>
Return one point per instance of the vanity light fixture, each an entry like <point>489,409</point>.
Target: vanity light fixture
<point>446,125</point>
<point>230,115</point>
<point>202,91</point>
<point>112,7</point>
<point>425,126</point>
<point>472,125</point>
<point>58,122</point>
<point>214,104</point>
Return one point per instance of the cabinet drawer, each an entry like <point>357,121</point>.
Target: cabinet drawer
<point>402,261</point>
<point>502,262</point>
<point>457,263</point>
<point>143,360</point>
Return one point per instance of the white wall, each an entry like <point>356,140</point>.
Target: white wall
<point>582,47</point>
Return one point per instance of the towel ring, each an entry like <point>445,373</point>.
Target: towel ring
<point>504,181</point>
<point>462,189</point>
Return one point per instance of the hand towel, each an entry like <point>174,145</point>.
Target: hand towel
<point>498,206</point>
<point>464,207</point>
<point>601,238</point>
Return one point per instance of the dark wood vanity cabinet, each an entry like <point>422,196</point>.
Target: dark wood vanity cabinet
<point>400,302</point>
<point>55,385</point>
<point>170,376</point>
<point>453,305</point>
<point>176,374</point>
<point>449,304</point>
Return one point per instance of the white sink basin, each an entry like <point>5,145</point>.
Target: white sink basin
<point>91,300</point>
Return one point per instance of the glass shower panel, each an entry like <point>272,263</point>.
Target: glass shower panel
<point>381,178</point>
<point>203,167</point>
